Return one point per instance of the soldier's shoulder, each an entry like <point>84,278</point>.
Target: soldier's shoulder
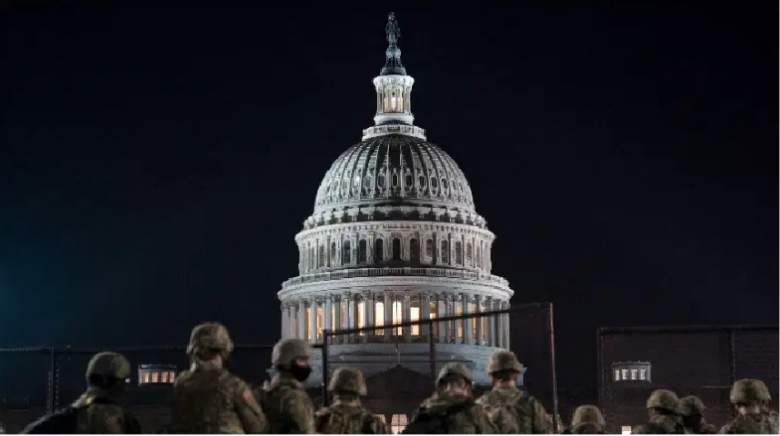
<point>183,377</point>
<point>61,421</point>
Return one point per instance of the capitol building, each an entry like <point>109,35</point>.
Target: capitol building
<point>395,236</point>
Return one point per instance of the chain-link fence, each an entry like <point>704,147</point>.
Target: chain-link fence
<point>34,381</point>
<point>401,360</point>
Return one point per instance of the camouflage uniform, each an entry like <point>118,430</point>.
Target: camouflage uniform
<point>667,422</point>
<point>510,409</point>
<point>207,397</point>
<point>587,419</point>
<point>284,398</point>
<point>347,415</point>
<point>692,410</point>
<point>98,409</point>
<point>751,392</point>
<point>446,412</point>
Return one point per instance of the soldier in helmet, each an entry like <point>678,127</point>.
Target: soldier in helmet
<point>692,411</point>
<point>346,415</point>
<point>207,397</point>
<point>451,409</point>
<point>587,419</point>
<point>663,409</point>
<point>750,398</point>
<point>510,409</point>
<point>98,410</point>
<point>284,399</point>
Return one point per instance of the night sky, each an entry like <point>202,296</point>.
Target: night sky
<point>158,162</point>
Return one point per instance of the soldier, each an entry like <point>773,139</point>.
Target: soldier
<point>587,419</point>
<point>692,410</point>
<point>451,409</point>
<point>750,398</point>
<point>284,399</point>
<point>510,409</point>
<point>346,415</point>
<point>98,409</point>
<point>663,408</point>
<point>207,397</point>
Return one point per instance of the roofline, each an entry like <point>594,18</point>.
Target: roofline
<point>601,331</point>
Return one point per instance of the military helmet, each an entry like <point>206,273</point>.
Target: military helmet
<point>664,399</point>
<point>587,413</point>
<point>287,350</point>
<point>454,369</point>
<point>210,335</point>
<point>108,365</point>
<point>748,391</point>
<point>348,380</point>
<point>504,361</point>
<point>691,405</point>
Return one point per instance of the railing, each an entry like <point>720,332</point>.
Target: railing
<point>403,271</point>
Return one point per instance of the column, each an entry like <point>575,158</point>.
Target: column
<point>337,320</point>
<point>406,303</point>
<point>479,321</point>
<point>285,321</point>
<point>312,322</point>
<point>468,336</point>
<point>443,327</point>
<point>425,313</point>
<point>326,321</point>
<point>369,310</point>
<point>351,321</point>
<point>388,315</point>
<point>301,319</point>
<point>506,327</point>
<point>491,341</point>
<point>497,324</point>
<point>451,308</point>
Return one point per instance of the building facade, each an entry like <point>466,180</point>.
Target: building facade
<point>395,236</point>
<point>702,361</point>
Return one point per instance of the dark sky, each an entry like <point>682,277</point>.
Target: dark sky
<point>159,161</point>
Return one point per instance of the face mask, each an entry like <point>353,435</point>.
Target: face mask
<point>300,373</point>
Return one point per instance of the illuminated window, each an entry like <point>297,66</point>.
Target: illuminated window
<point>306,322</point>
<point>344,315</point>
<point>156,374</point>
<point>333,325</point>
<point>361,316</point>
<point>379,316</point>
<point>398,423</point>
<point>398,316</point>
<point>414,315</point>
<point>320,322</point>
<point>631,371</point>
<point>625,429</point>
<point>459,322</point>
<point>433,314</point>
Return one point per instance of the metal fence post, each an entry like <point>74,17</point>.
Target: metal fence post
<point>325,333</point>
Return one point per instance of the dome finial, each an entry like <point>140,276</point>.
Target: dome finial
<point>393,63</point>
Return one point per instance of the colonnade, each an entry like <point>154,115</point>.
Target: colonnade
<point>306,317</point>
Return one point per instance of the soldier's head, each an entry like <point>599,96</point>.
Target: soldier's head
<point>292,356</point>
<point>108,371</point>
<point>504,367</point>
<point>587,419</point>
<point>663,402</point>
<point>209,341</point>
<point>347,384</point>
<point>750,398</point>
<point>692,410</point>
<point>454,378</point>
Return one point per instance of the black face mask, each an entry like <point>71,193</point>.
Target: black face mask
<point>300,373</point>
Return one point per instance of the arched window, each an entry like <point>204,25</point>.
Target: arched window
<point>396,249</point>
<point>445,252</point>
<point>362,248</point>
<point>469,253</point>
<point>379,251</point>
<point>332,253</point>
<point>479,254</point>
<point>414,250</point>
<point>312,257</point>
<point>458,253</point>
<point>321,257</point>
<point>429,248</point>
<point>346,253</point>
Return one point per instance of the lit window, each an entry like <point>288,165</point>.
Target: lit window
<point>631,371</point>
<point>379,316</point>
<point>624,374</point>
<point>617,375</point>
<point>634,372</point>
<point>397,316</point>
<point>459,322</point>
<point>320,320</point>
<point>156,374</point>
<point>361,315</point>
<point>433,314</point>
<point>625,429</point>
<point>642,373</point>
<point>414,315</point>
<point>398,423</point>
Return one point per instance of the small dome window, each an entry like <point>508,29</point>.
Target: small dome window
<point>434,183</point>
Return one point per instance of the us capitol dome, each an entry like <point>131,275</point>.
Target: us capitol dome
<point>395,236</point>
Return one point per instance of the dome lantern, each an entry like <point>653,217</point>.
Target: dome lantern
<point>393,92</point>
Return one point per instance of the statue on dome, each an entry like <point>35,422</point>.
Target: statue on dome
<point>392,29</point>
